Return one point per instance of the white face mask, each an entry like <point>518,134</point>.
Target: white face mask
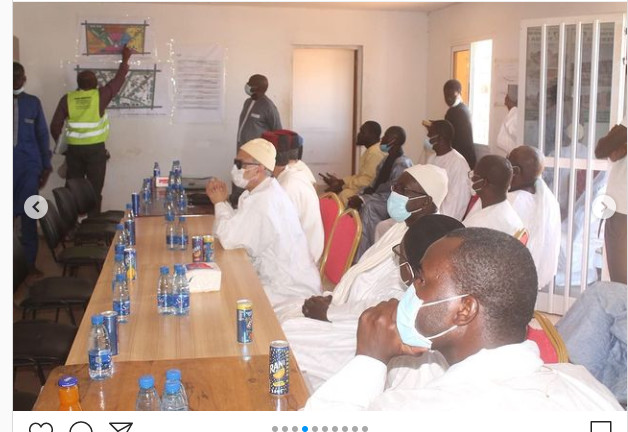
<point>237,176</point>
<point>18,91</point>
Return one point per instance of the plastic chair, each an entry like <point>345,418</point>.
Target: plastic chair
<point>86,200</point>
<point>550,343</point>
<point>343,243</point>
<point>523,236</point>
<point>331,207</point>
<point>70,257</point>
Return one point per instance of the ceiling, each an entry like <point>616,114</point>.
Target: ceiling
<point>387,6</point>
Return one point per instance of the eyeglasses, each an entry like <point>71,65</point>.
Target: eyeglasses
<point>405,270</point>
<point>239,164</point>
<point>402,190</point>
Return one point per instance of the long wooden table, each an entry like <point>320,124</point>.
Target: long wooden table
<point>209,330</point>
<point>203,345</point>
<point>220,383</point>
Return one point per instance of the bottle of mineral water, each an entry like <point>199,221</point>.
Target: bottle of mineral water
<point>175,375</point>
<point>99,350</point>
<point>121,298</point>
<point>164,291</point>
<point>172,399</point>
<point>118,268</point>
<point>171,233</point>
<point>121,235</point>
<point>181,292</point>
<point>147,396</point>
<point>182,234</point>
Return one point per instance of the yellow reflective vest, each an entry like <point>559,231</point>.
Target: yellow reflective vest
<point>84,124</point>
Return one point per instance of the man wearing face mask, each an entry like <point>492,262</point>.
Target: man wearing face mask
<point>266,225</point>
<point>259,114</point>
<point>472,298</point>
<point>331,319</point>
<point>491,182</point>
<point>368,137</point>
<point>371,202</point>
<point>538,209</point>
<point>459,116</point>
<point>31,158</point>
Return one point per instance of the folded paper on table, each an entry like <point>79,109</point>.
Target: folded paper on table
<point>203,276</point>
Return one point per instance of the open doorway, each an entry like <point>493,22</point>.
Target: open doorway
<point>324,101</point>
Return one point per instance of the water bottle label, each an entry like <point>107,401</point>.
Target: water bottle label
<point>99,359</point>
<point>177,240</point>
<point>182,302</point>
<point>161,300</point>
<point>170,240</point>
<point>123,308</point>
<point>184,240</point>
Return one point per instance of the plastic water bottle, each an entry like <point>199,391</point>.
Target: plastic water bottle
<point>147,396</point>
<point>121,235</point>
<point>181,292</point>
<point>121,298</point>
<point>147,192</point>
<point>183,201</point>
<point>99,350</point>
<point>128,213</point>
<point>182,234</point>
<point>118,268</point>
<point>175,375</point>
<point>156,170</point>
<point>171,399</point>
<point>164,291</point>
<point>171,233</point>
<point>171,179</point>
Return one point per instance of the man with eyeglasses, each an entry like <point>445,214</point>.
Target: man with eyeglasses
<point>491,181</point>
<point>538,209</point>
<point>471,298</point>
<point>322,334</point>
<point>266,224</point>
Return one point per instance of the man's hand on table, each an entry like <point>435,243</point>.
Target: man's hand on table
<point>216,191</point>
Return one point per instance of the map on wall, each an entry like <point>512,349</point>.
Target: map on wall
<point>138,91</point>
<point>109,38</point>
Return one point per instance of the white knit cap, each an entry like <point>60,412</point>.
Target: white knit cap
<point>262,151</point>
<point>432,179</point>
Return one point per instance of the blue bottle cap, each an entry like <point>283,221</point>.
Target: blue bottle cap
<point>67,381</point>
<point>181,218</point>
<point>129,206</point>
<point>119,227</point>
<point>170,217</point>
<point>146,382</point>
<point>119,257</point>
<point>120,277</point>
<point>97,319</point>
<point>172,386</point>
<point>164,270</point>
<point>173,374</point>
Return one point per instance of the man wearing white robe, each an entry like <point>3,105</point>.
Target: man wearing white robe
<point>539,210</point>
<point>323,337</point>
<point>266,225</point>
<point>296,181</point>
<point>491,181</point>
<point>484,284</point>
<point>507,135</point>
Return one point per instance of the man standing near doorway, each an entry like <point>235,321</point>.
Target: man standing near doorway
<point>88,125</point>
<point>259,114</point>
<point>459,116</point>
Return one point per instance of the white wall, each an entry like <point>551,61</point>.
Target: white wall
<point>464,23</point>
<point>258,40</point>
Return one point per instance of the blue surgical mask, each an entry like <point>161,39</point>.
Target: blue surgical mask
<point>384,147</point>
<point>248,89</point>
<point>396,206</point>
<point>407,312</point>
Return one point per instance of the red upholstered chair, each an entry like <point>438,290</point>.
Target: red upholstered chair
<point>550,343</point>
<point>331,208</point>
<point>343,243</point>
<point>523,236</point>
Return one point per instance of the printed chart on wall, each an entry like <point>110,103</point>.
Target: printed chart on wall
<point>198,84</point>
<point>107,37</point>
<point>145,89</point>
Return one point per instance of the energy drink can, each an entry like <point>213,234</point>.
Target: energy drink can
<point>244,316</point>
<point>197,249</point>
<point>135,203</point>
<point>208,248</point>
<point>130,263</point>
<point>110,321</point>
<point>129,226</point>
<point>279,367</point>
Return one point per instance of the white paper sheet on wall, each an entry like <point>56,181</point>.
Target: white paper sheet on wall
<point>198,84</point>
<point>505,72</point>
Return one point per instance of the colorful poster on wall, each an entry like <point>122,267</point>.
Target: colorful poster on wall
<point>108,38</point>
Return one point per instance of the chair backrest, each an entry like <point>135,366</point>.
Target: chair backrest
<point>20,264</point>
<point>66,206</point>
<point>523,236</point>
<point>331,208</point>
<point>550,343</point>
<point>84,194</point>
<point>343,243</point>
<point>52,227</point>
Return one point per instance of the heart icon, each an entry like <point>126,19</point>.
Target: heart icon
<point>37,427</point>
